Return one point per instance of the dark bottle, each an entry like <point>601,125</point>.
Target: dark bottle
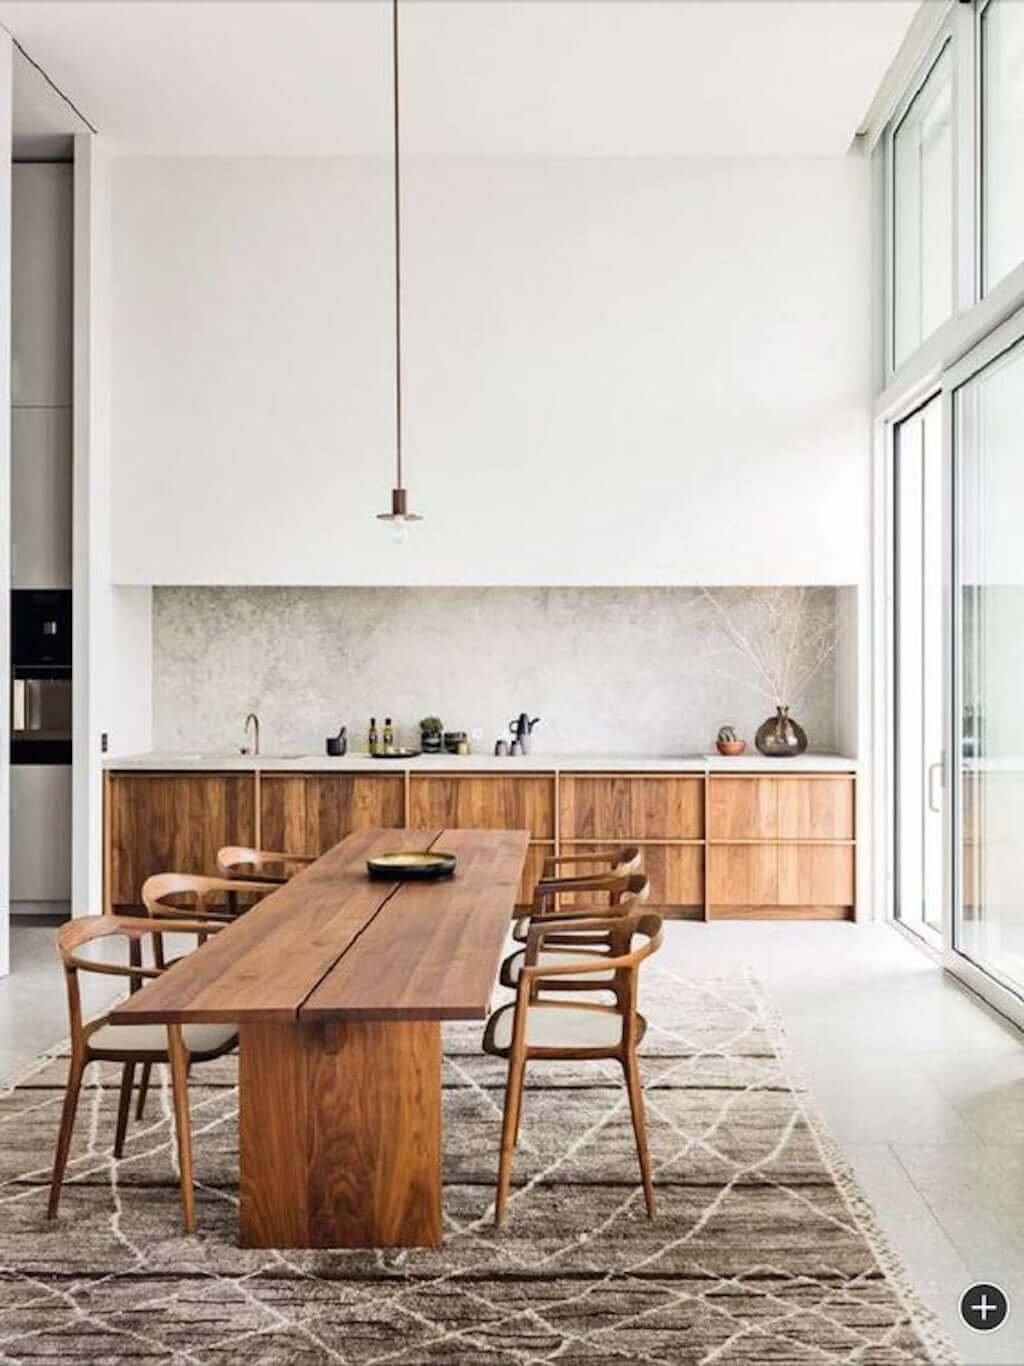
<point>374,739</point>
<point>389,733</point>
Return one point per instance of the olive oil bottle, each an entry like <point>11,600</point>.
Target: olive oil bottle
<point>374,738</point>
<point>389,734</point>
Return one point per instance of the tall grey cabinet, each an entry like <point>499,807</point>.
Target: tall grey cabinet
<point>41,492</point>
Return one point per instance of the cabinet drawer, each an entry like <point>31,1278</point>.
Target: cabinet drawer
<point>676,872</point>
<point>781,808</point>
<point>484,802</point>
<point>743,875</point>
<point>172,823</point>
<point>308,813</point>
<point>781,875</point>
<point>627,806</point>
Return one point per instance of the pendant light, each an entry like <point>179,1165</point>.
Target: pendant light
<point>399,516</point>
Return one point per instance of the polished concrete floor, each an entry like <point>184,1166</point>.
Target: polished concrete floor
<point>922,1087</point>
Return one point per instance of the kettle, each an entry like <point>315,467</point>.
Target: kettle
<point>522,728</point>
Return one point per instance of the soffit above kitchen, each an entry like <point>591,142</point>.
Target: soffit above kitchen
<point>658,78</point>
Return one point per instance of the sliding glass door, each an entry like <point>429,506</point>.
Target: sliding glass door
<point>919,678</point>
<point>987,727</point>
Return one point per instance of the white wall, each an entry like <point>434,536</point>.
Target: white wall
<point>6,90</point>
<point>112,625</point>
<point>619,372</point>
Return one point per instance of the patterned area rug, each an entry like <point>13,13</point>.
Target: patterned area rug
<point>762,1251</point>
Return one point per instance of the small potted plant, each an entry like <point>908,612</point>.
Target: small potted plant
<point>431,729</point>
<point>729,742</point>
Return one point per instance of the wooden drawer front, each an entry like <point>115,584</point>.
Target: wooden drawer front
<point>484,802</point>
<point>308,813</point>
<point>676,872</point>
<point>816,874</point>
<point>631,806</point>
<point>781,875</point>
<point>173,823</point>
<point>781,808</point>
<point>743,875</point>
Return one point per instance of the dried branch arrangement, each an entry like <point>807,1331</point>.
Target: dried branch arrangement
<point>794,632</point>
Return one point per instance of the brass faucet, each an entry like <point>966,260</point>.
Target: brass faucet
<point>253,748</point>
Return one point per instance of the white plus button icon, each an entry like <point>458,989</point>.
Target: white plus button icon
<point>984,1307</point>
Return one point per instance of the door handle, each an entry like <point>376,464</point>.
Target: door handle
<point>932,770</point>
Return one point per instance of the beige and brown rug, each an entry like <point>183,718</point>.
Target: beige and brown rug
<point>763,1251</point>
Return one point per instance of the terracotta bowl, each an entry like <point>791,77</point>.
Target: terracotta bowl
<point>731,747</point>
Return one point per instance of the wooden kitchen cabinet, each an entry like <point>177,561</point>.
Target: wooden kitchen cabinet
<point>307,813</point>
<point>676,873</point>
<point>776,845</point>
<point>171,822</point>
<point>662,812</point>
<point>490,801</point>
<point>781,847</point>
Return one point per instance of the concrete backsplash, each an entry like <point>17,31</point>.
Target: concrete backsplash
<point>645,671</point>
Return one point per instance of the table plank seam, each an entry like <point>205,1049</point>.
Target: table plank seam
<point>396,888</point>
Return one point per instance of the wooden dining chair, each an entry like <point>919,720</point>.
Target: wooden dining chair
<point>84,947</point>
<point>566,940</point>
<point>213,900</point>
<point>240,861</point>
<point>623,858</point>
<point>605,874</point>
<point>206,898</point>
<point>535,1029</point>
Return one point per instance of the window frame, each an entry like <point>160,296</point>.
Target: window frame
<point>944,39</point>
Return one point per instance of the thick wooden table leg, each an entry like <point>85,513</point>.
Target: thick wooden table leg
<point>340,1134</point>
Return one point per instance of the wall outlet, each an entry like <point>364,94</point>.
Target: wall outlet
<point>104,742</point>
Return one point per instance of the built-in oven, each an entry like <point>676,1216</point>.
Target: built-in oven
<point>40,676</point>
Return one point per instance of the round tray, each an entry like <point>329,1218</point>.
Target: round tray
<point>396,754</point>
<point>411,867</point>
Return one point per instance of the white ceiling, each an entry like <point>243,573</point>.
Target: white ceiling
<point>479,77</point>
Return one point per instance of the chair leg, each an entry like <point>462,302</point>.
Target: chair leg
<point>123,1107</point>
<point>509,1133</point>
<point>67,1125</point>
<point>140,1107</point>
<point>178,1056</point>
<point>636,1106</point>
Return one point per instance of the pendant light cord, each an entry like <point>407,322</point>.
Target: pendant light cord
<point>398,245</point>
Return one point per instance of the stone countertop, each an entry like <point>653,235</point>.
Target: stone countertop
<point>478,763</point>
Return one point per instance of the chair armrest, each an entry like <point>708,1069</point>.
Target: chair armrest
<point>542,931</point>
<point>531,969</point>
<point>593,856</point>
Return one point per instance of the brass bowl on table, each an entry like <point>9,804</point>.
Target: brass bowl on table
<point>411,866</point>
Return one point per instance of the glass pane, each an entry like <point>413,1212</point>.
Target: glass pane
<point>919,670</point>
<point>923,211</point>
<point>989,925</point>
<point>1002,87</point>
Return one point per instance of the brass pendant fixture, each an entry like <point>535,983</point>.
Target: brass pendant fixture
<point>399,516</point>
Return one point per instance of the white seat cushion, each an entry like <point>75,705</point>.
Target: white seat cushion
<point>561,956</point>
<point>199,1038</point>
<point>561,1026</point>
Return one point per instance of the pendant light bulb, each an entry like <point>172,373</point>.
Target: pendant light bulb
<point>399,517</point>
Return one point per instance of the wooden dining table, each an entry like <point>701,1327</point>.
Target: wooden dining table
<point>338,985</point>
